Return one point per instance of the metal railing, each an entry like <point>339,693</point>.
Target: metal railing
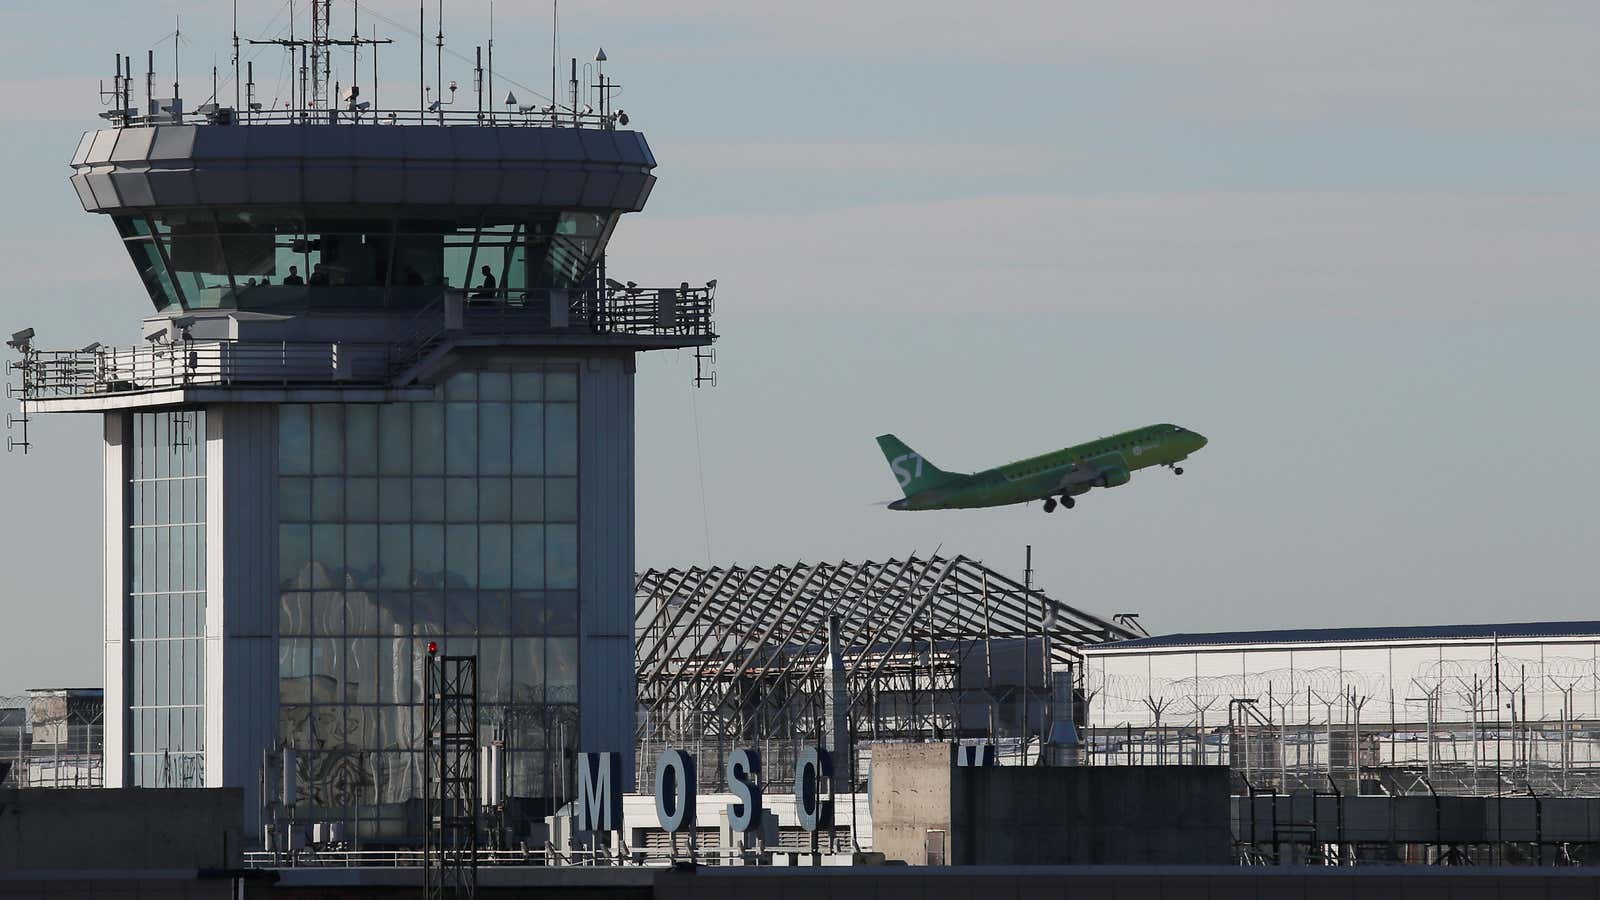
<point>673,313</point>
<point>345,857</point>
<point>681,312</point>
<point>211,114</point>
<point>196,363</point>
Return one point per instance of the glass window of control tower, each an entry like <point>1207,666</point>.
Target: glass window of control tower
<point>166,549</point>
<point>452,519</point>
<point>289,259</point>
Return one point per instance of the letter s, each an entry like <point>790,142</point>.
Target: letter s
<point>744,814</point>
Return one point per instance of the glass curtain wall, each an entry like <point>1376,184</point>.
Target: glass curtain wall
<point>453,520</point>
<point>288,259</point>
<point>167,598</point>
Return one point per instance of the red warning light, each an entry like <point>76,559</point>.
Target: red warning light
<point>433,647</point>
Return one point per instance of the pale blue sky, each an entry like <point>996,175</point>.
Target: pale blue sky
<point>1354,244</point>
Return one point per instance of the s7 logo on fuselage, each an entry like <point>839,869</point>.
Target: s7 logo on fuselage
<point>900,473</point>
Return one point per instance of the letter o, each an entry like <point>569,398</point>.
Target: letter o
<point>675,790</point>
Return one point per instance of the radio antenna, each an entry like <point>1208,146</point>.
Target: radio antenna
<point>422,62</point>
<point>438,63</point>
<point>555,28</point>
<point>177,38</point>
<point>236,88</point>
<point>491,60</point>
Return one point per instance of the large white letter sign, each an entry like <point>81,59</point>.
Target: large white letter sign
<point>599,797</point>
<point>675,790</point>
<point>744,814</point>
<point>810,770</point>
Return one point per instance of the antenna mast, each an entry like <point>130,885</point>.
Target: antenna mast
<point>491,60</point>
<point>236,87</point>
<point>321,52</point>
<point>555,28</point>
<point>177,37</point>
<point>438,65</point>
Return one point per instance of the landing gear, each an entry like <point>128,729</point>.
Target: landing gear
<point>1068,502</point>
<point>1177,470</point>
<point>1050,504</point>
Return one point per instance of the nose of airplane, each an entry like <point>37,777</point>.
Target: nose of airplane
<point>1199,439</point>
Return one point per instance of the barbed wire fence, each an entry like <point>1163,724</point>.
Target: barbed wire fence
<point>49,739</point>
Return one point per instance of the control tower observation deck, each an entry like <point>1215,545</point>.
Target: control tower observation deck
<point>384,396</point>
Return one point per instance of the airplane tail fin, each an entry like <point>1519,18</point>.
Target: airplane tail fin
<point>914,473</point>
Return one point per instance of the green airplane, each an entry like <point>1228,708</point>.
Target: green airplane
<point>1107,462</point>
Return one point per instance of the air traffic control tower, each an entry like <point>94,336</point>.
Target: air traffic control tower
<point>384,396</point>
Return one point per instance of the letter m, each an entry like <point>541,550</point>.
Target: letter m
<point>599,792</point>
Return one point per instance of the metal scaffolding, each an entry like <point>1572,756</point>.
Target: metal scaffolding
<point>450,721</point>
<point>935,648</point>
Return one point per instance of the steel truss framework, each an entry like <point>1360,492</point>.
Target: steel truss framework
<point>738,655</point>
<point>450,716</point>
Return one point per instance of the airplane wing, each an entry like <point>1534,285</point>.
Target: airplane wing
<point>1088,472</point>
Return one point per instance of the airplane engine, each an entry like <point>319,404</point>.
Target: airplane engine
<point>1115,477</point>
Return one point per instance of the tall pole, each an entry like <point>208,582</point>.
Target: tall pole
<point>177,36</point>
<point>555,29</point>
<point>1027,610</point>
<point>236,100</point>
<point>438,65</point>
<point>422,63</point>
<point>491,60</point>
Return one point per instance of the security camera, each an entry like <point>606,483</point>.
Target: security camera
<point>182,322</point>
<point>21,337</point>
